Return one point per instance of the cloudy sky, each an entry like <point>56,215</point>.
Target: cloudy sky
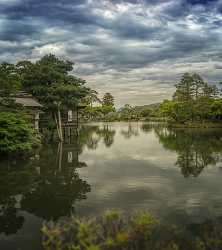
<point>135,49</point>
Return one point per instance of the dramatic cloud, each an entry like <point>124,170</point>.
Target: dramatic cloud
<point>135,49</point>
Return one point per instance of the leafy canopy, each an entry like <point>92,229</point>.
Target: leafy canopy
<point>9,80</point>
<point>108,100</point>
<point>193,100</point>
<point>15,134</point>
<point>51,82</point>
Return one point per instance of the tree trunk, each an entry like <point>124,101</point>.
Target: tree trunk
<point>60,124</point>
<point>57,125</point>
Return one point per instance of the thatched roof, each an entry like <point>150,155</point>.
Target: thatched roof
<point>27,102</point>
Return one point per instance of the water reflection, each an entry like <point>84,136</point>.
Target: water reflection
<point>108,134</point>
<point>90,136</point>
<point>132,130</point>
<point>195,148</point>
<point>56,190</point>
<point>47,184</point>
<point>113,165</point>
<point>10,220</point>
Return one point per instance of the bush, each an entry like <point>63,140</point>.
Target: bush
<point>16,134</point>
<point>117,231</point>
<point>109,232</point>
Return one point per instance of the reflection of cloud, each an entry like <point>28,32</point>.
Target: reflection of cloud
<point>138,173</point>
<point>136,49</point>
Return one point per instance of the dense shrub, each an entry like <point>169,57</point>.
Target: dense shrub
<point>16,134</point>
<point>116,231</point>
<point>111,231</point>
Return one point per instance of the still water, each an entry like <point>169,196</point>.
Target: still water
<point>175,174</point>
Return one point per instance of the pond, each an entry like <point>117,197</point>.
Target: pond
<point>175,174</point>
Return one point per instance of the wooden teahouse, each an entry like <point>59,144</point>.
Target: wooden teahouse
<point>32,106</point>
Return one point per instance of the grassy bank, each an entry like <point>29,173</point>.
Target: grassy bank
<point>141,231</point>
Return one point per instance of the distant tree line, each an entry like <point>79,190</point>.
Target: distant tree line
<point>101,109</point>
<point>193,101</point>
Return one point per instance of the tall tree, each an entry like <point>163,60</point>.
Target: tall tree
<point>192,101</point>
<point>10,83</point>
<point>184,89</point>
<point>50,81</point>
<point>91,98</point>
<point>197,85</point>
<point>108,100</point>
<point>9,80</point>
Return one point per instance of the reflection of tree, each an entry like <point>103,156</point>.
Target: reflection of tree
<point>146,127</point>
<point>48,186</point>
<point>131,131</point>
<point>88,137</point>
<point>55,195</point>
<point>12,183</point>
<point>58,185</point>
<point>10,221</point>
<point>196,148</point>
<point>91,136</point>
<point>205,235</point>
<point>107,134</point>
<point>209,232</point>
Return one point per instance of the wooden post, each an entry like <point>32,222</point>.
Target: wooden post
<point>77,117</point>
<point>36,120</point>
<point>60,123</point>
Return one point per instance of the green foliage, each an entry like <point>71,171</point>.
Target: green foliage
<point>111,231</point>
<point>50,81</point>
<point>112,216</point>
<point>193,100</point>
<point>92,97</point>
<point>136,113</point>
<point>138,231</point>
<point>195,148</point>
<point>98,113</point>
<point>10,83</point>
<point>108,100</point>
<point>9,80</point>
<point>145,113</point>
<point>216,108</point>
<point>16,134</point>
<point>127,113</point>
<point>143,224</point>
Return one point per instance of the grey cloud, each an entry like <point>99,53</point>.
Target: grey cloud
<point>122,42</point>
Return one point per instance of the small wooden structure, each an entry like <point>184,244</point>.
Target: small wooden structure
<point>71,117</point>
<point>32,106</point>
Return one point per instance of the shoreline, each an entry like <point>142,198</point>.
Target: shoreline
<point>196,125</point>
